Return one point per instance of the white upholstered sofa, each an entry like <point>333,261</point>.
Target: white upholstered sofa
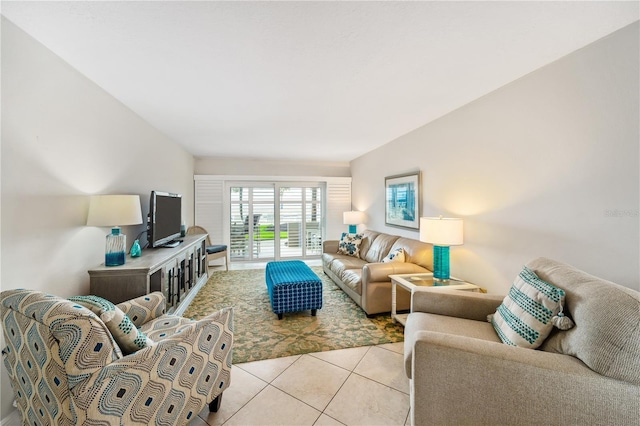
<point>462,374</point>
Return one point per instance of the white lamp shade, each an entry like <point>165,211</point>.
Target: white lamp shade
<point>441,231</point>
<point>353,218</point>
<point>114,210</point>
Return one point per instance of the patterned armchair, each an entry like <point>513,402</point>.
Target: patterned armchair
<point>66,368</point>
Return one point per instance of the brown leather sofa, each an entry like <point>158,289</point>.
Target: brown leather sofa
<point>365,279</point>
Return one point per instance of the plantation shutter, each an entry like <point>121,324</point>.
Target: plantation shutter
<point>212,205</point>
<point>209,209</point>
<point>338,202</point>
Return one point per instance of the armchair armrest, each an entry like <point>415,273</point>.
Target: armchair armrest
<point>460,380</point>
<point>379,272</point>
<point>330,246</point>
<point>144,308</point>
<point>461,304</point>
<point>170,380</point>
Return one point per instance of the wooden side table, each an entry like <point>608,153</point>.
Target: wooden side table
<point>423,282</point>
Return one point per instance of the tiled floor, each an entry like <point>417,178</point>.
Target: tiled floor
<point>358,386</point>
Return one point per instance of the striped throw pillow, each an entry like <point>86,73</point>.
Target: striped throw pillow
<point>525,316</point>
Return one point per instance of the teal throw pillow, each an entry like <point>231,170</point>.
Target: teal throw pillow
<point>528,313</point>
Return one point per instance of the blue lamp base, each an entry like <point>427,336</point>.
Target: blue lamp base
<point>441,263</point>
<point>115,251</point>
<point>353,229</point>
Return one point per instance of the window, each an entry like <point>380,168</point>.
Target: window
<point>275,221</point>
<point>305,211</point>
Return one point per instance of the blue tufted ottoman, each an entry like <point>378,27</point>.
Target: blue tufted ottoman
<point>293,287</point>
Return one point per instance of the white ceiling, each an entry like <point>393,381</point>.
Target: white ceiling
<point>307,80</point>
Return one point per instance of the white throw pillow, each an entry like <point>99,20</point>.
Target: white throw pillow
<point>350,244</point>
<point>526,316</point>
<point>395,255</point>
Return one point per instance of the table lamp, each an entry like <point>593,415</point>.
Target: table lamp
<point>442,233</point>
<point>114,211</point>
<point>353,219</point>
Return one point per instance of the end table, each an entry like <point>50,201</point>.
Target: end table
<point>423,282</point>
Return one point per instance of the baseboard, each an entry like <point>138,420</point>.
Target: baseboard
<point>13,419</point>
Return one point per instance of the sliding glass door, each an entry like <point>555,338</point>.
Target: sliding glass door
<point>252,222</point>
<point>301,219</point>
<point>276,221</point>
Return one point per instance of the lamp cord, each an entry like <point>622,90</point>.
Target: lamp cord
<point>140,235</point>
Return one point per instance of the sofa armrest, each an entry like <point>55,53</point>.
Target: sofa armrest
<point>460,380</point>
<point>186,370</point>
<point>144,308</point>
<point>455,303</point>
<point>379,272</point>
<point>330,246</point>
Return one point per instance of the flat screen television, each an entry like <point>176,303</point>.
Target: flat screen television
<point>165,219</point>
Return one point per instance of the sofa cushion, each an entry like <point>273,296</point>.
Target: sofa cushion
<point>328,258</point>
<point>341,263</point>
<point>395,255</point>
<point>524,317</point>
<point>380,247</point>
<point>352,278</point>
<point>350,244</point>
<point>124,332</point>
<point>368,237</point>
<point>415,252</point>
<point>421,321</point>
<point>606,336</point>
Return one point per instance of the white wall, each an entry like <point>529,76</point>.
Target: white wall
<point>257,167</point>
<point>545,166</point>
<point>64,138</point>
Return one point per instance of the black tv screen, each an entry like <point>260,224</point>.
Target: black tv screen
<point>165,218</point>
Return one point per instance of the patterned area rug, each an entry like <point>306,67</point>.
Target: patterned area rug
<point>258,334</point>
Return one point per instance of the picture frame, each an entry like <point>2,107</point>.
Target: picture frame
<point>402,200</point>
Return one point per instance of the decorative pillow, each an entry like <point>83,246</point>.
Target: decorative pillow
<point>395,255</point>
<point>350,244</point>
<point>124,332</point>
<point>527,315</point>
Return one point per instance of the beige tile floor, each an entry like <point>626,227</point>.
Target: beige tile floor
<point>357,386</point>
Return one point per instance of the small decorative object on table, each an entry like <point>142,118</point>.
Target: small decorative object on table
<point>136,251</point>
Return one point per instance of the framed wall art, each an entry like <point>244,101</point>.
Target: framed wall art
<point>402,203</point>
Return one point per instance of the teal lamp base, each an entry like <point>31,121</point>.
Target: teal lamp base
<point>115,252</point>
<point>441,263</point>
<point>353,229</point>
